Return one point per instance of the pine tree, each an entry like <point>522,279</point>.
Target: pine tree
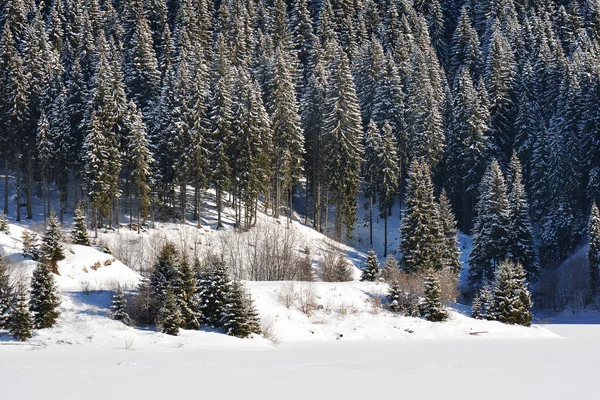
<point>593,254</point>
<point>4,224</point>
<point>118,308</point>
<point>6,295</point>
<point>390,268</point>
<point>169,318</point>
<point>373,147</point>
<point>31,247</point>
<point>492,224</point>
<point>213,289</point>
<point>79,234</point>
<point>483,303</point>
<point>187,296</point>
<point>52,249</point>
<point>521,245</point>
<point>165,272</point>
<point>305,271</point>
<point>45,299</point>
<point>370,271</point>
<point>389,178</point>
<point>433,309</point>
<point>20,323</point>
<point>449,254</point>
<point>465,47</point>
<point>512,300</point>
<point>421,235</point>
<point>239,317</point>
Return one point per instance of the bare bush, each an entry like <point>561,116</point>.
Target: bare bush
<point>287,295</point>
<point>307,298</point>
<point>268,331</point>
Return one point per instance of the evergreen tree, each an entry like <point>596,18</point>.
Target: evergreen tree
<point>449,253</point>
<point>512,300</point>
<point>521,246</point>
<point>492,225</point>
<point>372,169</point>
<point>421,235</point>
<point>305,269</point>
<point>118,308</point>
<point>52,249</point>
<point>6,295</point>
<point>20,323</point>
<point>433,309</point>
<point>31,247</point>
<point>483,303</point>
<point>4,224</point>
<point>370,271</point>
<point>593,255</point>
<point>239,317</point>
<point>45,299</point>
<point>389,178</point>
<point>187,296</point>
<point>213,290</point>
<point>390,268</point>
<point>165,272</point>
<point>79,234</point>
<point>169,318</point>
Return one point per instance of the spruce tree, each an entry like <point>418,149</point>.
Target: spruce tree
<point>389,179</point>
<point>433,310</point>
<point>421,235</point>
<point>187,296</point>
<point>45,299</point>
<point>169,318</point>
<point>483,303</point>
<point>512,300</point>
<point>593,255</point>
<point>6,295</point>
<point>449,251</point>
<point>373,146</point>
<point>390,268</point>
<point>492,226</point>
<point>31,247</point>
<point>165,272</point>
<point>20,323</point>
<point>239,317</point>
<point>79,233</point>
<point>521,244</point>
<point>370,271</point>
<point>118,308</point>
<point>52,249</point>
<point>4,224</point>
<point>213,289</point>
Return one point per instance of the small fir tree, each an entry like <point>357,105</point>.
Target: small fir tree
<point>165,271</point>
<point>433,309</point>
<point>44,300</point>
<point>4,224</point>
<point>187,296</point>
<point>239,317</point>
<point>483,302</point>
<point>31,248</point>
<point>52,249</point>
<point>6,294</point>
<point>449,252</point>
<point>593,254</point>
<point>20,324</point>
<point>79,234</point>
<point>213,289</point>
<point>390,268</point>
<point>370,271</point>
<point>305,268</point>
<point>512,300</point>
<point>118,308</point>
<point>395,298</point>
<point>169,318</point>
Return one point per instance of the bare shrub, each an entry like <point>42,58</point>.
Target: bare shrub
<point>287,295</point>
<point>307,298</point>
<point>86,286</point>
<point>267,330</point>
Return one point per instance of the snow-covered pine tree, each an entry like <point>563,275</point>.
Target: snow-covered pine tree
<point>118,308</point>
<point>213,288</point>
<point>305,271</point>
<point>370,271</point>
<point>79,233</point>
<point>465,46</point>
<point>6,295</point>
<point>521,245</point>
<point>395,298</point>
<point>512,300</point>
<point>433,309</point>
<point>52,249</point>
<point>390,268</point>
<point>169,319</point>
<point>165,272</point>
<point>593,255</point>
<point>187,296</point>
<point>31,248</point>
<point>239,317</point>
<point>492,224</point>
<point>421,234</point>
<point>373,146</point>
<point>44,300</point>
<point>20,322</point>
<point>341,271</point>
<point>483,303</point>
<point>449,252</point>
<point>4,224</point>
<point>389,178</point>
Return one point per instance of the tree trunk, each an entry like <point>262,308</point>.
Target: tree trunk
<point>18,186</point>
<point>219,208</point>
<point>6,186</point>
<point>29,186</point>
<point>385,234</point>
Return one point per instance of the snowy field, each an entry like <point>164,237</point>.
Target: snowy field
<point>565,368</point>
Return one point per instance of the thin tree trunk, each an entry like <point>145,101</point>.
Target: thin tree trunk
<point>18,186</point>
<point>219,208</point>
<point>29,186</point>
<point>385,234</point>
<point>6,185</point>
